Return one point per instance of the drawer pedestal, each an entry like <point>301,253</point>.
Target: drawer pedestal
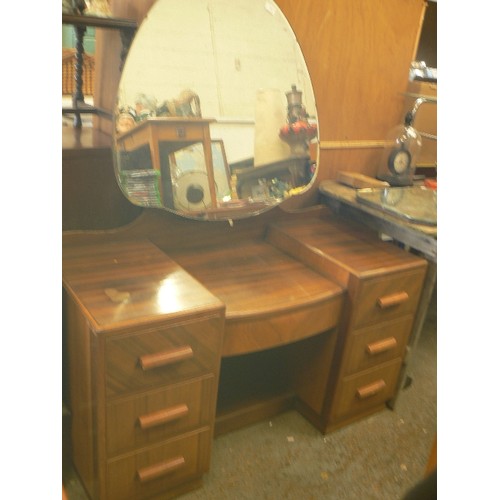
<point>144,346</point>
<point>383,286</point>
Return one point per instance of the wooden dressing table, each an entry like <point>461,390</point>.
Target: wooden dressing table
<point>180,329</point>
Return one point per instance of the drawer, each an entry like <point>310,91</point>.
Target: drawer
<point>387,298</point>
<point>157,469</point>
<point>361,392</point>
<point>144,420</point>
<point>162,356</point>
<point>378,344</point>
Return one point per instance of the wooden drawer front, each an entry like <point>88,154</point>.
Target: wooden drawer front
<point>377,344</point>
<point>157,469</point>
<point>181,132</point>
<point>163,356</point>
<point>156,416</point>
<point>366,390</point>
<point>384,299</point>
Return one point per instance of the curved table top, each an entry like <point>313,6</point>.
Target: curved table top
<point>271,298</point>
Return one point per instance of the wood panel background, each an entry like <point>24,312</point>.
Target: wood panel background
<point>91,197</point>
<point>358,55</point>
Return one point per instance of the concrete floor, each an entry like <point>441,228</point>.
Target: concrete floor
<point>380,457</point>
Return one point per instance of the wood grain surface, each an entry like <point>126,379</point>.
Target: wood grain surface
<point>151,284</point>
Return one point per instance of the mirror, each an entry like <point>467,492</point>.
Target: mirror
<point>215,115</point>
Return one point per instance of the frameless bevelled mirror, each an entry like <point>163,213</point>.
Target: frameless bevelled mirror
<point>215,115</point>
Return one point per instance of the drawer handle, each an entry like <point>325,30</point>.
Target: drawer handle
<point>381,346</point>
<point>392,300</point>
<point>159,470</point>
<point>163,416</point>
<point>159,359</point>
<point>371,389</point>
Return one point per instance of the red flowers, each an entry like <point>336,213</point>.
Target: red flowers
<point>299,128</point>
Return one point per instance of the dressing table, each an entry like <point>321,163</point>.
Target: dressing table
<point>172,340</point>
<point>180,328</point>
<point>176,133</point>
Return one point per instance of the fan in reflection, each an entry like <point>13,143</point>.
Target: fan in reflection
<point>191,191</point>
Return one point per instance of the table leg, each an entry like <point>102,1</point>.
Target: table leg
<point>207,150</point>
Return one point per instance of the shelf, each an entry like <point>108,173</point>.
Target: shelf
<point>84,108</point>
<point>126,27</point>
<point>99,22</point>
<point>76,139</point>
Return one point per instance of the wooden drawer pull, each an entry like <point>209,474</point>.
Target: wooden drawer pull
<point>371,389</point>
<point>159,470</point>
<point>159,359</point>
<point>381,346</point>
<point>163,416</point>
<point>392,300</point>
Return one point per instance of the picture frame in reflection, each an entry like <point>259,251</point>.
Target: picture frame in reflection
<point>190,180</point>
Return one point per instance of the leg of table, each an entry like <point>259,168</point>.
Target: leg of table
<point>207,150</point>
<point>154,147</point>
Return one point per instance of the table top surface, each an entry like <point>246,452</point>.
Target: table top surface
<point>122,284</point>
<point>348,195</point>
<point>253,278</point>
<point>166,122</point>
<point>420,236</point>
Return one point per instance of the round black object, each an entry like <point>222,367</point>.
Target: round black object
<point>194,193</point>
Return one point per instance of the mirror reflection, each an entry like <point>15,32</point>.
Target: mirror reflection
<point>215,115</point>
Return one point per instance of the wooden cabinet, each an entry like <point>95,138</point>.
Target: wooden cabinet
<point>383,286</point>
<point>175,133</point>
<point>312,313</point>
<point>144,353</point>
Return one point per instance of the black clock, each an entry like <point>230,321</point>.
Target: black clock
<point>399,162</point>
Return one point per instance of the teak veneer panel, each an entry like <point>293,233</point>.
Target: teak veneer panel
<point>340,249</point>
<point>271,299</point>
<point>369,296</point>
<point>125,375</point>
<point>122,474</point>
<point>306,291</point>
<point>255,334</point>
<point>371,346</point>
<point>120,285</point>
<point>383,285</point>
<point>144,337</point>
<point>184,401</point>
<point>90,196</point>
<point>174,234</point>
<point>366,391</point>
